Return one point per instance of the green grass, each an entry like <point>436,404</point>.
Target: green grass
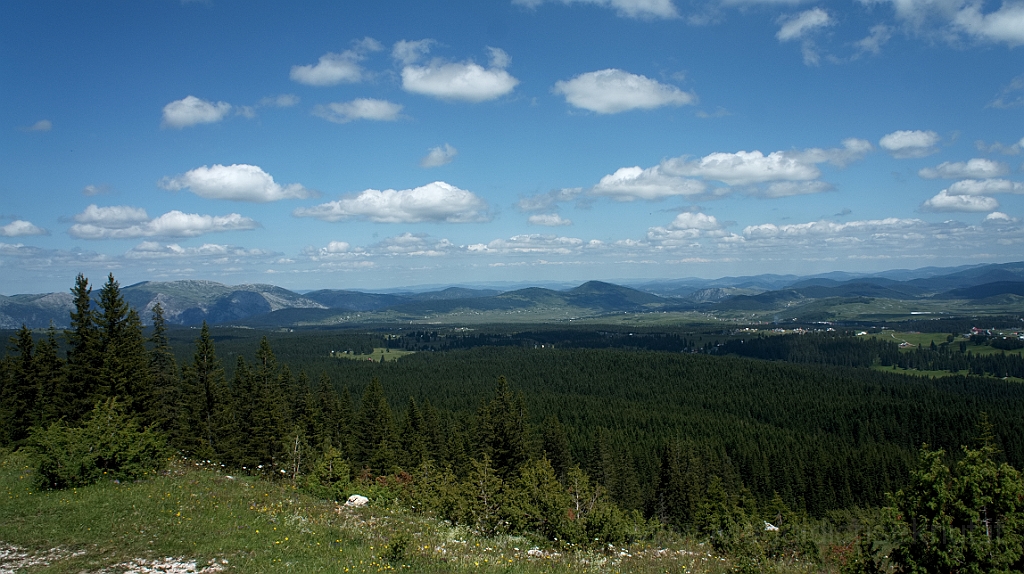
<point>925,340</point>
<point>245,524</point>
<point>378,354</point>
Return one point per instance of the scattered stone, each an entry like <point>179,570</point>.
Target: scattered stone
<point>357,500</point>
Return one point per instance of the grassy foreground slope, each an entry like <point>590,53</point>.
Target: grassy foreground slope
<point>200,519</point>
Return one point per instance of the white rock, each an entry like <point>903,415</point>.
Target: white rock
<point>357,500</point>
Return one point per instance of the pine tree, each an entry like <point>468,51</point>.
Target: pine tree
<point>502,430</point>
<point>376,433</point>
<point>414,440</point>
<point>556,447</point>
<point>84,356</point>
<point>434,434</point>
<point>242,399</point>
<point>484,493</point>
<point>126,365</point>
<point>51,377</point>
<point>19,401</point>
<point>343,421</point>
<point>268,424</point>
<point>202,391</point>
<point>163,372</point>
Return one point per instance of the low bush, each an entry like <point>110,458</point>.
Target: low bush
<point>109,444</point>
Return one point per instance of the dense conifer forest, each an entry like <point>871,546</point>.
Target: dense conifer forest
<point>595,443</point>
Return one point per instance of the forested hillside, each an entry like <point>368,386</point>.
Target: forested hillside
<point>570,443</point>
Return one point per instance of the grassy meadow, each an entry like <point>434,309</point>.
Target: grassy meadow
<point>204,520</point>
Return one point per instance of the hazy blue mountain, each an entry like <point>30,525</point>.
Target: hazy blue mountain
<point>35,311</point>
<point>355,300</point>
<point>190,302</point>
<point>985,290</point>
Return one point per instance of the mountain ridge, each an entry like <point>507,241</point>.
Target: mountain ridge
<point>193,301</point>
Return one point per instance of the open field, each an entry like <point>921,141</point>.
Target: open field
<point>926,339</point>
<point>379,354</point>
<point>194,519</point>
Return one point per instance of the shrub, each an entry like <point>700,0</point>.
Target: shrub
<point>329,477</point>
<point>110,444</point>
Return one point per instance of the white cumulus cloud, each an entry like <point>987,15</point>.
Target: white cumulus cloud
<point>410,51</point>
<point>532,244</point>
<point>684,229</point>
<point>630,183</point>
<point>798,26</point>
<point>549,220</point>
<point>332,68</point>
<point>612,91</point>
<point>973,168</point>
<point>21,228</point>
<point>438,156</point>
<point>412,245</point>
<point>873,42</point>
<point>240,182</point>
<point>437,201</point>
<point>467,81</point>
<point>114,216</point>
<point>1005,25</point>
<point>786,173</point>
<point>944,201</point>
<point>155,250</point>
<point>645,9</point>
<point>697,220</point>
<point>998,217</point>
<point>985,187</point>
<point>125,222</point>
<point>910,143</point>
<point>336,247</point>
<point>829,228</point>
<point>745,168</point>
<point>190,111</point>
<point>359,109</point>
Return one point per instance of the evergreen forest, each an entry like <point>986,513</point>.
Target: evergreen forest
<point>589,444</point>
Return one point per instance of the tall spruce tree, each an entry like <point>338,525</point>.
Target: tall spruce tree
<point>19,400</point>
<point>269,419</point>
<point>413,437</point>
<point>556,447</point>
<point>84,356</point>
<point>51,377</point>
<point>501,430</point>
<point>163,372</point>
<point>376,432</point>
<point>124,371</point>
<point>202,389</point>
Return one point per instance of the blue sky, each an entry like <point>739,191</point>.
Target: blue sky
<point>386,144</point>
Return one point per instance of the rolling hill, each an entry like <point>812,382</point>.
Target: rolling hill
<point>190,302</point>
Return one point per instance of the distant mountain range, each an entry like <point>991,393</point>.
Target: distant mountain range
<point>191,302</point>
